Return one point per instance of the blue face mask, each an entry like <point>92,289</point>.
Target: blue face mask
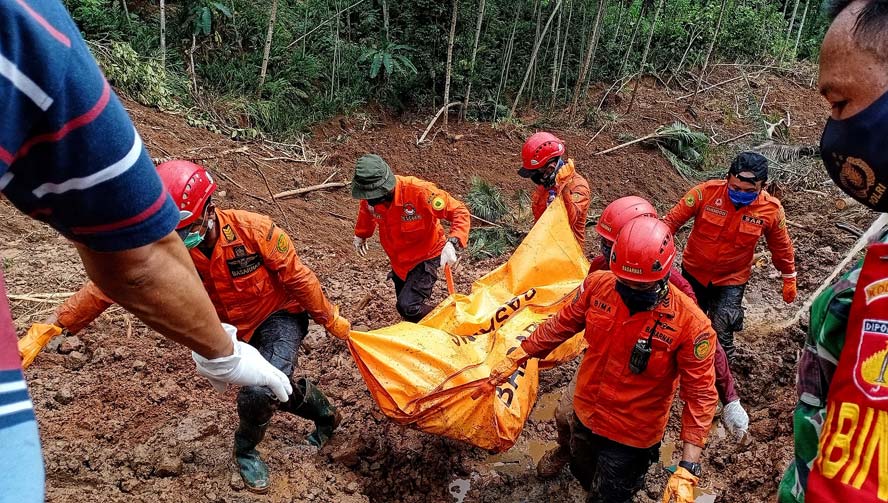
<point>854,154</point>
<point>742,198</point>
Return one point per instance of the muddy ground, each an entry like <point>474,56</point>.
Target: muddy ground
<point>123,416</point>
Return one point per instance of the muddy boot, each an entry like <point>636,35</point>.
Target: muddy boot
<point>314,406</point>
<point>252,469</point>
<point>553,462</point>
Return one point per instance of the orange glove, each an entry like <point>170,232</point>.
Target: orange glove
<point>502,371</point>
<point>38,335</point>
<point>338,327</point>
<point>680,486</point>
<point>790,291</point>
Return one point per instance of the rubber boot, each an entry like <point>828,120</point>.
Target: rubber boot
<point>314,407</point>
<point>553,462</point>
<point>252,469</point>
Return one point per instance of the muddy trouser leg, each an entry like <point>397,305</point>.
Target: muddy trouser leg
<point>277,339</point>
<point>702,292</point>
<point>609,471</point>
<point>724,379</point>
<point>414,290</point>
<point>563,414</point>
<point>726,313</point>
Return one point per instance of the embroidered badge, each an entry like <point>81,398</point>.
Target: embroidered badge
<point>228,232</point>
<point>702,346</point>
<point>871,368</point>
<point>283,244</point>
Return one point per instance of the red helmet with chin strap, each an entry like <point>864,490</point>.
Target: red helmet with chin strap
<point>644,251</point>
<point>621,212</point>
<point>538,150</point>
<point>191,187</point>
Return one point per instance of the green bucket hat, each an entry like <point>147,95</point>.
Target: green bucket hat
<point>373,178</point>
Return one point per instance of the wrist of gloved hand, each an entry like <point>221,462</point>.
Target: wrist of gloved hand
<point>244,367</point>
<point>680,488</point>
<point>361,245</point>
<point>338,326</point>
<point>790,288</point>
<point>503,370</point>
<point>448,254</point>
<point>735,418</point>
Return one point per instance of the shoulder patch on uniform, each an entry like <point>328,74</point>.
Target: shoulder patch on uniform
<point>438,203</point>
<point>283,244</point>
<point>690,200</point>
<point>270,232</point>
<point>702,346</point>
<point>228,232</point>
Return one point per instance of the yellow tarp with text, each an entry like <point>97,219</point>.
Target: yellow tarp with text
<point>423,374</point>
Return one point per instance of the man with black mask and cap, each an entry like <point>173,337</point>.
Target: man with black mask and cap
<point>841,418</point>
<point>730,216</point>
<point>645,338</point>
<point>543,161</point>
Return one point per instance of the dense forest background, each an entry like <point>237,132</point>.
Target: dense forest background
<point>275,67</point>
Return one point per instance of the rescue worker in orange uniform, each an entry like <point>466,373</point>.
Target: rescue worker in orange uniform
<point>645,337</point>
<point>543,162</point>
<point>730,216</point>
<point>614,217</point>
<point>257,283</point>
<point>407,212</point>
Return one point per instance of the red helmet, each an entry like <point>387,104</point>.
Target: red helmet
<point>190,185</point>
<point>644,251</point>
<point>620,212</point>
<point>538,150</point>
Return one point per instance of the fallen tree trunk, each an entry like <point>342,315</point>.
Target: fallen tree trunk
<point>305,190</point>
<point>843,203</point>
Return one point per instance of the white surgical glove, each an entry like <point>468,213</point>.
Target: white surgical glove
<point>448,255</point>
<point>361,246</point>
<point>735,418</point>
<point>246,367</point>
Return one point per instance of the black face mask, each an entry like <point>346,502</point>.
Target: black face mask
<point>853,151</point>
<point>637,300</point>
<point>381,200</point>
<point>546,176</point>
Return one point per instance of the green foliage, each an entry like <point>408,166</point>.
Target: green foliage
<point>322,63</point>
<point>388,57</point>
<point>141,79</point>
<point>201,15</point>
<point>685,149</point>
<point>486,201</point>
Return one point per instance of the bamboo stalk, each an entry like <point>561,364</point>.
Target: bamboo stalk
<point>449,68</point>
<point>533,55</point>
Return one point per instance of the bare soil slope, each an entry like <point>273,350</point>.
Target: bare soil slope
<point>123,416</point>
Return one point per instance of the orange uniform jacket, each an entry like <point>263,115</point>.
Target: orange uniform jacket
<point>574,189</point>
<point>610,400</point>
<point>722,243</point>
<point>409,229</point>
<point>253,272</point>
